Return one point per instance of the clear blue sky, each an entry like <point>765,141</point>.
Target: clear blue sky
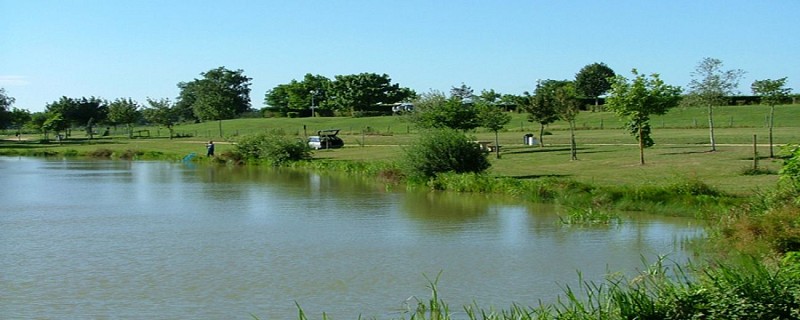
<point>143,48</point>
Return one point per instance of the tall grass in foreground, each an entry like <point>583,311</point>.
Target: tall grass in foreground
<point>749,290</point>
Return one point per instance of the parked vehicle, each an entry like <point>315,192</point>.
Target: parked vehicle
<point>325,139</point>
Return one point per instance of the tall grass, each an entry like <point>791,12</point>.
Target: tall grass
<point>750,289</point>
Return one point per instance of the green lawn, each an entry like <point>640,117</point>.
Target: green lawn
<point>606,156</point>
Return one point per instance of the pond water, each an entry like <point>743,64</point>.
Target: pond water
<point>116,239</point>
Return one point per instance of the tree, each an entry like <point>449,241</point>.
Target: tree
<point>594,80</point>
<point>18,119</point>
<point>493,118</point>
<point>568,106</point>
<point>361,91</point>
<point>639,99</point>
<point>772,92</point>
<point>80,112</point>
<point>709,87</point>
<point>124,111</point>
<point>55,123</point>
<point>220,95</point>
<point>161,112</point>
<point>435,110</point>
<point>299,95</point>
<point>6,102</point>
<point>541,106</point>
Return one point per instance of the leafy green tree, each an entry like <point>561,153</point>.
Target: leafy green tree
<point>124,111</point>
<point>541,107</point>
<point>299,95</point>
<point>443,150</point>
<point>19,118</point>
<point>37,122</point>
<point>638,99</point>
<point>490,96</point>
<point>709,87</point>
<point>80,112</point>
<point>220,95</point>
<point>493,118</point>
<point>360,91</point>
<point>435,110</point>
<point>55,123</point>
<point>161,112</point>
<point>184,105</point>
<point>6,102</point>
<point>772,92</point>
<point>594,80</point>
<point>568,106</point>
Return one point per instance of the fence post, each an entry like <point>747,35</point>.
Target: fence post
<point>755,153</point>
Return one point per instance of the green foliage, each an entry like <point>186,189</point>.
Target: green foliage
<point>542,107</point>
<point>78,112</point>
<point>6,102</point>
<point>299,95</point>
<point>435,110</point>
<point>123,111</point>
<point>221,94</point>
<point>594,80</point>
<point>590,216</point>
<point>443,150</point>
<point>790,173</point>
<point>273,147</point>
<point>359,91</point>
<point>638,100</point>
<point>772,92</point>
<point>161,112</point>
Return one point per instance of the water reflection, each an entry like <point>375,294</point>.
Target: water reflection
<point>167,240</point>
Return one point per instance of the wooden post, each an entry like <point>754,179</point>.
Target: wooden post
<point>755,153</point>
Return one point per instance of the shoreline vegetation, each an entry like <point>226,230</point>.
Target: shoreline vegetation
<point>750,264</point>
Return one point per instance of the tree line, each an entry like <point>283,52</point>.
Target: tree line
<point>221,94</point>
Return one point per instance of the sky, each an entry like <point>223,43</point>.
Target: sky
<point>144,48</point>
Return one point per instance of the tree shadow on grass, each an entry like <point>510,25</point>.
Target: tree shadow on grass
<point>540,176</point>
<point>38,144</point>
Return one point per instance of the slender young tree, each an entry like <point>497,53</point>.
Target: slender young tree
<point>636,100</point>
<point>493,118</point>
<point>772,92</point>
<point>709,87</point>
<point>541,107</point>
<point>568,107</point>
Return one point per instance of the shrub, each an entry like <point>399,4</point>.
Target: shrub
<point>790,173</point>
<point>273,147</point>
<point>443,150</point>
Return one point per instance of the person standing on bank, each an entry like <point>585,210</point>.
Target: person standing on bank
<point>210,148</point>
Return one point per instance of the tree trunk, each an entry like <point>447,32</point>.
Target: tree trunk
<point>596,104</point>
<point>711,127</point>
<point>497,145</point>
<point>771,124</point>
<point>220,128</point>
<point>541,135</point>
<point>573,148</point>
<point>641,145</point>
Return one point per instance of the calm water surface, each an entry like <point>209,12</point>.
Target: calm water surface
<point>115,239</point>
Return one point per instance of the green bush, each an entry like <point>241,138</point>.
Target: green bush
<point>273,147</point>
<point>790,173</point>
<point>443,150</point>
